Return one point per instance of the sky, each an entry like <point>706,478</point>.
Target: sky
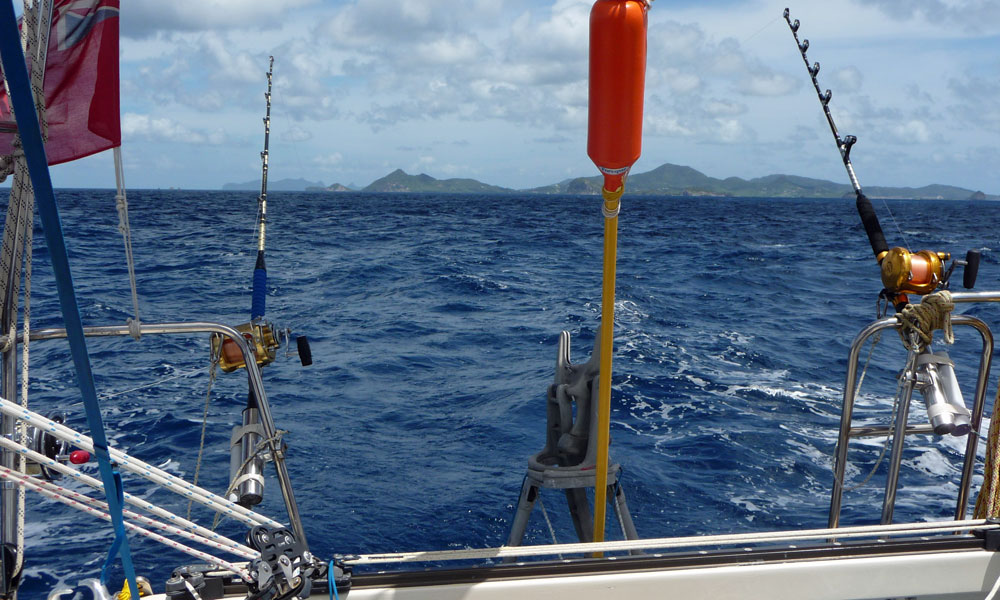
<point>496,90</point>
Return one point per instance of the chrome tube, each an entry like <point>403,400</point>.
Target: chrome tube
<point>847,432</point>
<point>898,435</point>
<point>975,296</point>
<point>978,406</point>
<point>840,456</point>
<point>253,373</point>
<point>251,491</point>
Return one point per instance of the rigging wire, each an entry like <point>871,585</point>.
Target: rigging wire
<point>756,33</point>
<point>213,371</point>
<point>192,372</point>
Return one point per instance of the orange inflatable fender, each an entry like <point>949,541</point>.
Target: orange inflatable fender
<point>617,84</point>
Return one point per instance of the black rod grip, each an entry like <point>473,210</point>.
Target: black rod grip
<point>870,220</point>
<point>971,269</point>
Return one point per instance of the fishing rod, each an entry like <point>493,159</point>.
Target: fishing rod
<point>250,447</point>
<point>264,337</point>
<point>260,269</point>
<point>902,271</point>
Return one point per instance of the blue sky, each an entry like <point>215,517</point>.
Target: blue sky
<point>496,90</point>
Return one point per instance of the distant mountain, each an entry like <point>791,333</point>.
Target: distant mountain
<point>281,185</point>
<point>666,180</point>
<point>399,181</point>
<point>677,180</point>
<point>336,187</point>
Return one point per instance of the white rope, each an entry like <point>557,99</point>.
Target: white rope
<point>191,590</point>
<point>134,465</point>
<point>548,522</point>
<point>611,214</point>
<point>545,514</point>
<point>222,541</point>
<point>22,429</point>
<point>41,484</point>
<point>89,505</point>
<point>680,542</point>
<point>34,37</point>
<point>121,203</point>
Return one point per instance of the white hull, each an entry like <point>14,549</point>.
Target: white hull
<point>958,571</point>
<point>952,575</point>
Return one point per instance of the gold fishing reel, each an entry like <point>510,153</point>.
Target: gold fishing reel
<point>913,272</point>
<point>261,338</point>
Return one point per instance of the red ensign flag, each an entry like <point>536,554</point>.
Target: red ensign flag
<point>81,82</point>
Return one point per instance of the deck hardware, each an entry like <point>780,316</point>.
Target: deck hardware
<point>990,537</point>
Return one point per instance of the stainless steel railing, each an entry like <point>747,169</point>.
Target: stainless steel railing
<point>256,384</point>
<point>901,428</point>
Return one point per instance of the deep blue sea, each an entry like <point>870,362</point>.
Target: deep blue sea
<point>434,321</point>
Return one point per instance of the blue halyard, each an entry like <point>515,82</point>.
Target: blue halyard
<point>34,152</point>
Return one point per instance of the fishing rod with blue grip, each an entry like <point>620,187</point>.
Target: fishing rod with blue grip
<point>258,300</point>
<point>262,336</point>
<point>902,271</point>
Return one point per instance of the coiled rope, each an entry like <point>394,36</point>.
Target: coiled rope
<point>933,312</point>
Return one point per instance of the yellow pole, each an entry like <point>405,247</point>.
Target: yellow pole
<point>612,201</point>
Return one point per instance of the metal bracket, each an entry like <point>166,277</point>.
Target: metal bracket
<point>991,537</point>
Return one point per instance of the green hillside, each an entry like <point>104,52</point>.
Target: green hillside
<point>399,181</point>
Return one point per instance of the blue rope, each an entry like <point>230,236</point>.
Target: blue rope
<point>34,152</point>
<point>331,583</point>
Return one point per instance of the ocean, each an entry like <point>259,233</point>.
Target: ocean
<point>433,322</point>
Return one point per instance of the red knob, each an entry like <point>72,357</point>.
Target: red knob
<point>79,457</point>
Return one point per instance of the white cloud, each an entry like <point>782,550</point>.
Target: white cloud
<point>731,130</point>
<point>144,19</point>
<point>504,74</point>
<point>848,79</point>
<point>665,125</point>
<point>771,84</point>
<point>423,163</point>
<point>295,133</point>
<point>980,16</point>
<point>977,100</point>
<point>913,131</point>
<point>167,130</point>
<point>328,160</point>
